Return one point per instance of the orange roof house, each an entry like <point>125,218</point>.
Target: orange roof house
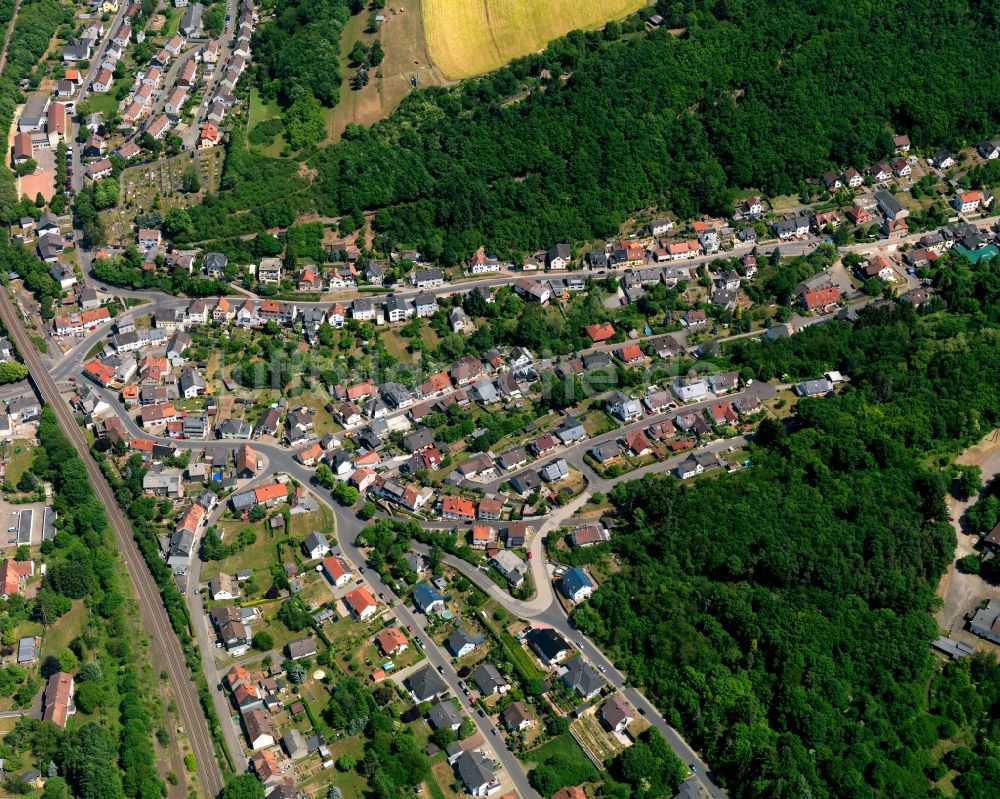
<point>391,640</point>
<point>368,459</point>
<point>95,316</point>
<point>141,444</point>
<point>600,333</point>
<point>265,766</point>
<point>14,574</point>
<point>439,381</point>
<point>821,299</point>
<point>309,455</point>
<point>191,520</point>
<point>246,460</point>
<point>360,391</point>
<point>236,675</point>
<point>58,703</point>
<point>457,508</point>
<point>637,443</point>
<point>99,372</point>
<point>631,353</point>
<point>270,493</point>
<point>360,602</point>
<point>334,569</point>
<point>482,534</point>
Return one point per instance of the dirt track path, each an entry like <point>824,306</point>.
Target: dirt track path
<point>959,592</point>
<point>6,39</point>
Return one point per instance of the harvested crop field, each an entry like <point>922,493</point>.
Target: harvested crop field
<point>469,37</point>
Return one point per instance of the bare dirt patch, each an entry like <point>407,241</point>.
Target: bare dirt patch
<point>959,592</point>
<point>407,65</point>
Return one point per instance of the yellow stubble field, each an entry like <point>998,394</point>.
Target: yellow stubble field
<point>470,37</point>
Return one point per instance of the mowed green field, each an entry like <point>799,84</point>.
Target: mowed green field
<point>469,37</point>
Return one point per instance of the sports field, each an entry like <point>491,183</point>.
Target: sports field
<point>469,37</point>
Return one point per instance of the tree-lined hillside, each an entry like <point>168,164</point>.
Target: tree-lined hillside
<point>761,94</point>
<point>781,616</point>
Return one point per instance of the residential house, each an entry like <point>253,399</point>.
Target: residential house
<point>582,678</point>
<point>623,407</point>
<point>617,713</point>
<point>605,453</point>
<point>223,587</point>
<point>257,725</point>
<point>690,389</point>
<point>475,771</point>
<point>461,643</point>
<point>695,319</point>
<point>516,717</point>
<point>967,202</point>
<point>425,685</point>
<point>548,644</point>
<point>315,545</point>
<point>489,680</point>
<point>444,716</point>
<point>391,641</point>
<point>361,603</point>
<point>588,535</point>
<point>301,648</point>
<point>576,585</point>
<point>510,566</point>
<point>821,300</point>
<point>427,598</point>
<point>57,702</point>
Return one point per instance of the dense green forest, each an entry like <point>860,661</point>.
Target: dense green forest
<point>297,53</point>
<point>781,615</point>
<point>752,94</point>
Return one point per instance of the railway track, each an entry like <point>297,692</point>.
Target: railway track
<point>147,593</point>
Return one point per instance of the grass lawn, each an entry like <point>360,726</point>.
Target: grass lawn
<point>319,521</point>
<point>597,423</point>
<point>258,557</point>
<point>21,453</point>
<point>324,423</point>
<point>564,745</point>
<point>351,783</point>
<point>442,778</point>
<point>173,22</point>
<point>103,103</point>
<point>64,630</point>
<point>261,112</point>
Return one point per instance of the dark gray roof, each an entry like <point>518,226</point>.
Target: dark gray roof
<point>426,683</point>
<point>474,769</point>
<point>444,715</point>
<point>581,677</point>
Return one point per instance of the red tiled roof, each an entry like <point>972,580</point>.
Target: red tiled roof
<point>821,298</point>
<point>334,568</point>
<point>600,332</point>
<point>631,353</point>
<point>390,639</point>
<point>458,506</point>
<point>359,600</point>
<point>12,572</point>
<point>270,492</point>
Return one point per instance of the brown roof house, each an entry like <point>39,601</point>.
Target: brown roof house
<point>58,705</point>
